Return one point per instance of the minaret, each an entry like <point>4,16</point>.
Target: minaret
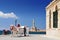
<point>33,23</point>
<point>33,26</point>
<point>15,21</point>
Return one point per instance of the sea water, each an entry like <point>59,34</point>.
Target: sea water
<point>1,32</point>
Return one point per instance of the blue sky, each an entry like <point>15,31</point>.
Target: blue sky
<point>25,10</point>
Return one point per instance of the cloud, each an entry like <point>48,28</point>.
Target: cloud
<point>7,15</point>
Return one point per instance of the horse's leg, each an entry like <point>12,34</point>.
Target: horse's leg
<point>11,33</point>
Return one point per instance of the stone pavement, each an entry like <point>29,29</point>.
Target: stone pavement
<point>31,37</point>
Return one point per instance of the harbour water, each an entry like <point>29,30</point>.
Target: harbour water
<point>37,32</point>
<point>1,32</point>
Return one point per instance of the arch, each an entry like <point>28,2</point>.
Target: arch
<point>55,18</point>
<point>56,8</point>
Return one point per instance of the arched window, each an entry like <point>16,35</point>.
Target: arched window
<point>50,19</point>
<point>56,8</point>
<point>55,18</point>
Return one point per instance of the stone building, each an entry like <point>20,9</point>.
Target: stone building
<point>53,18</point>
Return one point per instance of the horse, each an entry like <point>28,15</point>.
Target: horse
<point>13,30</point>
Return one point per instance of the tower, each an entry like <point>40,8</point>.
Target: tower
<point>33,26</point>
<point>15,21</point>
<point>33,23</point>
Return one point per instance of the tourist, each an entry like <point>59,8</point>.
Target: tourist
<point>27,30</point>
<point>4,32</point>
<point>18,27</point>
<point>24,31</point>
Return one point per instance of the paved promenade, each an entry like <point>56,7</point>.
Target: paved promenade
<point>31,37</point>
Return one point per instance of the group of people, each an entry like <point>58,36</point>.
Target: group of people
<point>19,29</point>
<point>5,32</point>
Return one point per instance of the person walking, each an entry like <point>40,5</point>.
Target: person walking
<point>24,31</point>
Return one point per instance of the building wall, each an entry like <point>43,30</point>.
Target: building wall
<point>52,31</point>
<point>58,4</point>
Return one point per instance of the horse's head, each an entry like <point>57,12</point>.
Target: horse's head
<point>11,27</point>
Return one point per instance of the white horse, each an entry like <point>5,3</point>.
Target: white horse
<point>13,30</point>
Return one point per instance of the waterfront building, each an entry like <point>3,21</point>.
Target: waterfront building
<point>53,18</point>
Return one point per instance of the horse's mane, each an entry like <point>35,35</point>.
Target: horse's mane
<point>13,28</point>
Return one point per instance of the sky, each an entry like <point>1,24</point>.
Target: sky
<point>25,11</point>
